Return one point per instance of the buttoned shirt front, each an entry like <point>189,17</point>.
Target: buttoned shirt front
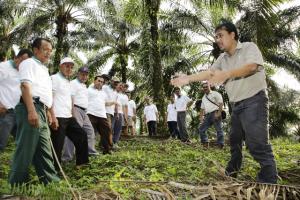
<point>62,99</point>
<point>131,106</point>
<point>79,93</point>
<point>111,93</point>
<point>34,72</point>
<point>214,97</point>
<point>172,113</point>
<point>97,101</point>
<point>10,91</point>
<point>181,103</point>
<point>150,111</point>
<point>241,88</point>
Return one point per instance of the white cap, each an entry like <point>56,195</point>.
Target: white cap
<point>68,59</point>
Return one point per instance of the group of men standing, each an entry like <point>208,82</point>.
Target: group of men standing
<point>72,112</point>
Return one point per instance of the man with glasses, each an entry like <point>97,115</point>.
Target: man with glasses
<point>212,104</point>
<point>182,103</point>
<point>151,117</point>
<point>79,95</point>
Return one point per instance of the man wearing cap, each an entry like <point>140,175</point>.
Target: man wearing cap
<point>79,95</point>
<point>118,115</point>
<point>32,137</point>
<point>63,115</point>
<point>10,95</point>
<point>97,99</point>
<point>125,114</point>
<point>181,104</point>
<point>131,115</point>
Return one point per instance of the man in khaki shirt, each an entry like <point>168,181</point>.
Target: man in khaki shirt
<point>241,69</point>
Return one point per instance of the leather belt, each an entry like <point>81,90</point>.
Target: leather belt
<point>11,109</point>
<point>36,100</point>
<point>181,111</point>
<point>211,112</point>
<point>237,103</point>
<point>80,107</point>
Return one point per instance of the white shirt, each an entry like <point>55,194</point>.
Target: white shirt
<point>172,113</point>
<point>10,91</point>
<point>62,99</point>
<point>119,98</point>
<point>131,106</point>
<point>150,111</point>
<point>34,72</point>
<point>207,105</point>
<point>125,99</point>
<point>180,103</point>
<point>97,100</point>
<point>110,98</point>
<point>79,93</point>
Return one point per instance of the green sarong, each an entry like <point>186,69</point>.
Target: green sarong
<point>32,144</point>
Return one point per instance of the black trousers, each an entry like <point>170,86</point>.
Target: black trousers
<point>70,127</point>
<point>152,127</point>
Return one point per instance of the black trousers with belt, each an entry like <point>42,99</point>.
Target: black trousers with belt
<point>70,127</point>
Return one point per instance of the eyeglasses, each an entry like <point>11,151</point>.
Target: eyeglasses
<point>205,87</point>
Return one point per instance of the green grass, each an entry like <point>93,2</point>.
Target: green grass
<point>154,161</point>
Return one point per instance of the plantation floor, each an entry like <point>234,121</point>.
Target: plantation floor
<point>139,160</point>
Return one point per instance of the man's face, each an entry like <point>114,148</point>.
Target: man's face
<point>206,88</point>
<point>18,60</point>
<point>224,39</point>
<point>125,88</point>
<point>114,84</point>
<point>171,98</point>
<point>44,52</point>
<point>119,87</point>
<point>83,76</point>
<point>177,92</point>
<point>148,101</point>
<point>105,81</point>
<point>98,83</point>
<point>66,69</point>
<point>128,95</point>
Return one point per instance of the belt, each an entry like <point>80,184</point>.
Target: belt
<point>36,100</point>
<point>211,112</point>
<point>80,107</point>
<point>237,103</point>
<point>11,109</point>
<point>181,111</point>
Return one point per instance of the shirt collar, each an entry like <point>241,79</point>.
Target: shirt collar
<point>79,81</point>
<point>110,87</point>
<point>150,104</point>
<point>238,46</point>
<point>95,88</point>
<point>12,64</point>
<point>61,75</point>
<point>180,96</point>
<point>37,60</point>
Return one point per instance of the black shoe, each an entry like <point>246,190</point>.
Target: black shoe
<point>107,152</point>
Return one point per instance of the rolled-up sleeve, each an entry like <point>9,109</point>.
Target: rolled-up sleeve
<point>253,55</point>
<point>27,72</point>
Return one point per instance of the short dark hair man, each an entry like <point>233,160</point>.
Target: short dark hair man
<point>30,114</point>
<point>131,115</point>
<point>171,118</point>
<point>212,116</point>
<point>106,78</point>
<point>10,95</point>
<point>241,68</point>
<point>63,115</point>
<point>97,113</point>
<point>181,104</point>
<point>79,94</point>
<point>151,117</point>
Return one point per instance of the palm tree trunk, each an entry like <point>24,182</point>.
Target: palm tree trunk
<point>158,98</point>
<point>61,32</point>
<point>124,67</point>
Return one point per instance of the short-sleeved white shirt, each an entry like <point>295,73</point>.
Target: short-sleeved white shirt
<point>172,113</point>
<point>10,91</point>
<point>181,102</point>
<point>150,111</point>
<point>97,100</point>
<point>131,106</point>
<point>125,99</point>
<point>214,97</point>
<point>62,99</point>
<point>34,72</point>
<point>79,93</point>
<point>119,98</point>
<point>110,98</point>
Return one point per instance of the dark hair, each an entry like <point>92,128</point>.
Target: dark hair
<point>229,27</point>
<point>38,42</point>
<point>25,51</point>
<point>177,88</point>
<point>204,83</point>
<point>97,77</point>
<point>128,92</point>
<point>172,95</point>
